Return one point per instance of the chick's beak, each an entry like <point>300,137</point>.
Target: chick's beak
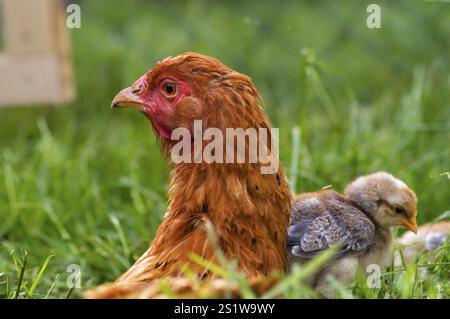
<point>126,98</point>
<point>410,224</point>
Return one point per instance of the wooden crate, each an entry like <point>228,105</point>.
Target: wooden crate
<point>35,67</point>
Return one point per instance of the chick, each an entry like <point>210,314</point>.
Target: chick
<point>359,222</point>
<point>429,237</point>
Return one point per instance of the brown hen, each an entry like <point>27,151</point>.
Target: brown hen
<point>249,211</point>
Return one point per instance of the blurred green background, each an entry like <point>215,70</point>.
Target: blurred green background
<point>87,185</point>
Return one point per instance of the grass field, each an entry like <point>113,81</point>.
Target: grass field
<point>81,184</point>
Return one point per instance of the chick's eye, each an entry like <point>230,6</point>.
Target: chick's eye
<point>399,210</point>
<point>170,89</point>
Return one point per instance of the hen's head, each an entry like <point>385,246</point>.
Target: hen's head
<point>191,87</point>
<point>387,199</point>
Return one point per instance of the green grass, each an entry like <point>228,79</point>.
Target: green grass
<point>82,184</point>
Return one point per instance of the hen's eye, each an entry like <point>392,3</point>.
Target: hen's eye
<point>399,210</point>
<point>170,89</point>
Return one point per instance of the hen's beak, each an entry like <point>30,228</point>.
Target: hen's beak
<point>126,98</point>
<point>410,224</point>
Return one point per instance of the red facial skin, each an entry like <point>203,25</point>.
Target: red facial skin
<point>158,106</point>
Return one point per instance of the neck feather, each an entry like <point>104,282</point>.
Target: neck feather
<point>249,211</point>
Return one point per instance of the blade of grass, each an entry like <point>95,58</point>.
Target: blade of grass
<point>50,290</point>
<point>295,156</point>
<point>301,273</point>
<point>123,241</point>
<point>21,273</point>
<point>39,275</point>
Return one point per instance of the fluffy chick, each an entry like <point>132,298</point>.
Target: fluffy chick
<point>359,222</point>
<point>428,238</point>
